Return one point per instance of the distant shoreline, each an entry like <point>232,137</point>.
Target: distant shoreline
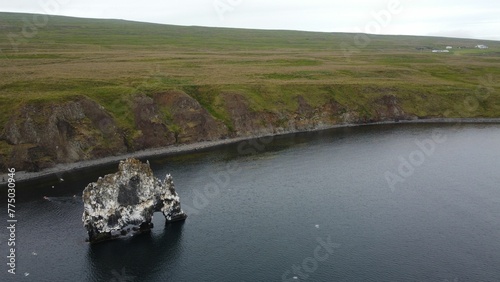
<point>22,176</point>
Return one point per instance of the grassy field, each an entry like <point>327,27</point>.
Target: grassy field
<point>110,60</point>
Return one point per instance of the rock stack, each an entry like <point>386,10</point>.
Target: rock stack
<point>122,204</point>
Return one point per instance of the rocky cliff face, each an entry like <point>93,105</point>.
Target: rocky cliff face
<point>43,135</point>
<point>122,204</point>
<point>40,135</point>
<point>193,122</point>
<point>153,130</point>
<point>245,121</point>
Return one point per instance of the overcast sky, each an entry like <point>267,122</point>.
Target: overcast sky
<point>456,18</point>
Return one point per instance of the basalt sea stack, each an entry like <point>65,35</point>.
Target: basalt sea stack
<point>122,204</point>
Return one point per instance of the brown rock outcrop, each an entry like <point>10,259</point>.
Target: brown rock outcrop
<point>193,122</point>
<point>153,130</point>
<point>46,134</point>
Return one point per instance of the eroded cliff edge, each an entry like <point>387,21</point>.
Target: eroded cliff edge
<point>39,135</point>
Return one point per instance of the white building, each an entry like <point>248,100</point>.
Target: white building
<point>449,47</point>
<point>480,46</point>
<point>440,51</point>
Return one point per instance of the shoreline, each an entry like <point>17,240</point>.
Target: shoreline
<point>22,176</point>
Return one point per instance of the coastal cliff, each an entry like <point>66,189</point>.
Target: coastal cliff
<point>84,89</point>
<point>41,135</point>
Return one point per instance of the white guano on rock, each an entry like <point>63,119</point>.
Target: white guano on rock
<point>122,204</point>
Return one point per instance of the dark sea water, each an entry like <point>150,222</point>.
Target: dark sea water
<point>304,207</point>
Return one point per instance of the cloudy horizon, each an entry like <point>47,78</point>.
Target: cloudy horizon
<point>464,19</point>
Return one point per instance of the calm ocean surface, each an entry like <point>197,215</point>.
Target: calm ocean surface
<point>304,207</point>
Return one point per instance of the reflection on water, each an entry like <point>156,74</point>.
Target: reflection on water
<point>64,200</point>
<point>137,258</point>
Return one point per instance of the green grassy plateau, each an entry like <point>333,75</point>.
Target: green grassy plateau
<point>110,60</point>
